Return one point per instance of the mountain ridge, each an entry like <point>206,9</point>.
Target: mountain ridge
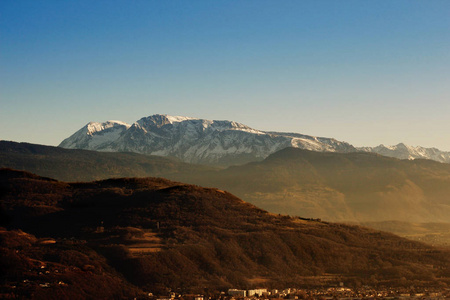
<point>403,151</point>
<point>196,140</point>
<point>214,142</point>
<point>84,165</point>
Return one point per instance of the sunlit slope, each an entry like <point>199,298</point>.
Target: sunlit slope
<point>437,234</point>
<point>341,186</point>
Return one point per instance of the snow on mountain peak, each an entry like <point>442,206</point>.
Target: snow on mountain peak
<point>403,151</point>
<point>161,120</point>
<point>216,142</point>
<point>93,127</point>
<point>177,119</point>
<point>95,135</point>
<point>193,140</point>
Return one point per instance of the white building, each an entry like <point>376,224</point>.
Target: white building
<point>258,292</point>
<point>237,293</point>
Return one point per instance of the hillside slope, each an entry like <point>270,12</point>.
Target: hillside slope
<point>45,268</point>
<point>165,235</point>
<point>84,165</point>
<point>357,187</point>
<point>340,186</point>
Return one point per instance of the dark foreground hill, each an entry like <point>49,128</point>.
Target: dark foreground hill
<point>159,235</point>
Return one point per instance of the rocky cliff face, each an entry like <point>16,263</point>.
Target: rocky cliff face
<point>222,143</point>
<point>195,140</point>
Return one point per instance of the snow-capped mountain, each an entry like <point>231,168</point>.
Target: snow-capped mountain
<point>96,136</point>
<point>194,140</point>
<point>403,151</point>
<point>216,142</point>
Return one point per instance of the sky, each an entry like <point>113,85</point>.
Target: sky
<point>365,72</point>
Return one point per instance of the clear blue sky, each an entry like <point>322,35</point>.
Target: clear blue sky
<point>365,72</point>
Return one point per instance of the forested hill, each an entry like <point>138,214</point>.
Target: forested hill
<point>85,165</point>
<point>162,235</point>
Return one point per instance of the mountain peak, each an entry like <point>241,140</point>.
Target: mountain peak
<point>160,120</point>
<point>402,145</point>
<point>194,140</point>
<point>216,142</point>
<point>95,135</point>
<point>403,151</point>
<point>177,119</point>
<point>93,127</point>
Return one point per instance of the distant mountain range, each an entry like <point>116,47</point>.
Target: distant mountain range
<point>221,143</point>
<point>403,151</point>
